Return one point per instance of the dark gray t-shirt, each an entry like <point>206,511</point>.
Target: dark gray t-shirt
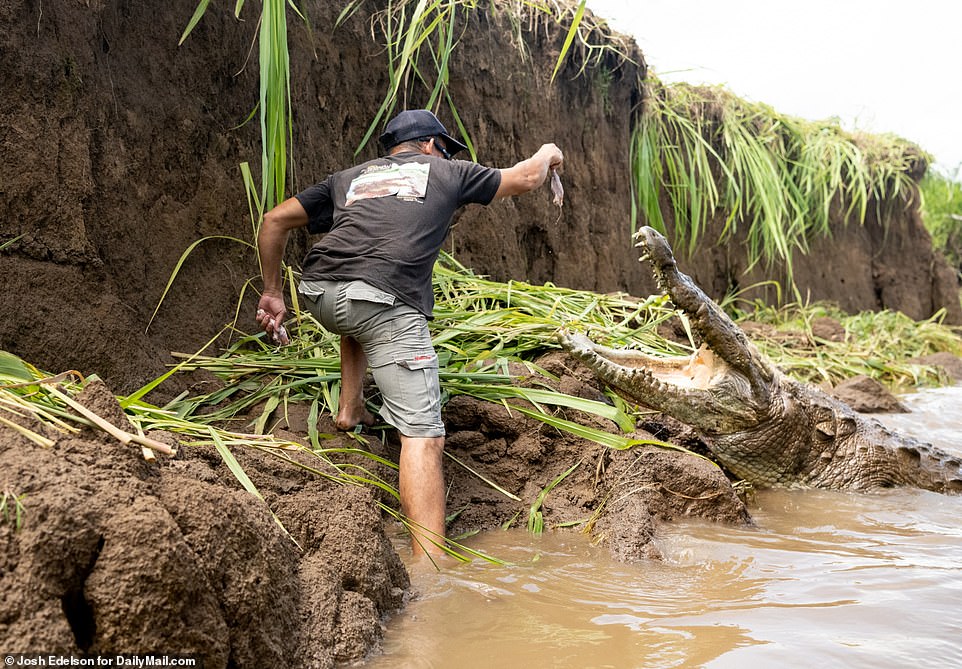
<point>385,221</point>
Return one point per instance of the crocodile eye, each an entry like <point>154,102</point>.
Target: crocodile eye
<point>831,427</point>
<point>823,421</point>
<point>844,426</point>
<point>825,429</point>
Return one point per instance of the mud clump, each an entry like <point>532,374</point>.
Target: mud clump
<point>619,496</point>
<point>866,395</point>
<point>114,554</point>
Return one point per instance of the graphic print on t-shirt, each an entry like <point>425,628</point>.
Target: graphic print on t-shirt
<point>406,181</point>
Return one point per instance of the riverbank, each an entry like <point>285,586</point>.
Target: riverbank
<point>111,553</point>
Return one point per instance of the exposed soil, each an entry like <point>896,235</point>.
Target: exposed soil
<point>118,150</point>
<point>866,395</point>
<point>118,555</point>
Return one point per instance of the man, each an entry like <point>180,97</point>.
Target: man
<point>369,280</point>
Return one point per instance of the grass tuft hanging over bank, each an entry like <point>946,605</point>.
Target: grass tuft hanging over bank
<point>701,155</point>
<point>420,38</point>
<point>942,213</point>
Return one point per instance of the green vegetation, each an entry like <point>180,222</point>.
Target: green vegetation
<point>420,38</point>
<point>876,344</point>
<point>480,328</point>
<point>714,156</point>
<point>415,31</point>
<point>942,213</point>
<point>487,333</point>
<point>274,99</point>
<point>274,107</point>
<point>535,517</point>
<point>12,509</point>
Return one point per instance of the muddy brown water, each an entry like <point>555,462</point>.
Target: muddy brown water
<point>826,579</point>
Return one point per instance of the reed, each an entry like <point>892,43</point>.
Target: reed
<point>273,109</point>
<point>942,212</point>
<point>535,517</point>
<point>274,98</point>
<point>715,157</point>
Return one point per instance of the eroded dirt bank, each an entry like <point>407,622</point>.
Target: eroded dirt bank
<point>118,555</point>
<point>120,150</point>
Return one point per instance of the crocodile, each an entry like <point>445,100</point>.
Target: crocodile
<point>761,425</point>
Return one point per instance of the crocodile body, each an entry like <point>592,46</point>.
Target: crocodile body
<point>760,424</point>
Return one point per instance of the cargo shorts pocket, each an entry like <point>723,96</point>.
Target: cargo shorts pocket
<point>411,392</point>
<point>419,361</point>
<point>311,289</point>
<point>418,374</point>
<point>367,293</point>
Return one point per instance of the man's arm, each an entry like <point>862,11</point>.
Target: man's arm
<point>271,242</point>
<point>531,172</point>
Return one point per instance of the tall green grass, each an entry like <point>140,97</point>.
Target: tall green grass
<point>274,98</point>
<point>942,212</point>
<point>701,156</point>
<point>273,109</point>
<point>420,38</point>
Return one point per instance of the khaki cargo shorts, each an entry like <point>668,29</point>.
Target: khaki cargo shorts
<point>396,340</point>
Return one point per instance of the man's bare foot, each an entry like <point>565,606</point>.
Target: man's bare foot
<point>430,563</point>
<point>348,419</point>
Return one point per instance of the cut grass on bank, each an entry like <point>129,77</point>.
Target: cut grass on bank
<point>481,330</point>
<point>488,334</point>
<point>880,345</point>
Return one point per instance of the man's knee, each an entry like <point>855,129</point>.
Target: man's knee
<point>426,444</point>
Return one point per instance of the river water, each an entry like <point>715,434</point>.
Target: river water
<point>826,579</point>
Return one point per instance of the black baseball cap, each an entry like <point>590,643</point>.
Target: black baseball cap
<point>414,124</point>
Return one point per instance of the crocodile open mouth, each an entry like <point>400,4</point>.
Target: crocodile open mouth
<point>724,381</point>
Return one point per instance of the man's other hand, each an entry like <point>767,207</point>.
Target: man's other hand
<point>271,311</point>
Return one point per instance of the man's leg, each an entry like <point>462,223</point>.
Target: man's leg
<point>422,491</point>
<point>352,411</point>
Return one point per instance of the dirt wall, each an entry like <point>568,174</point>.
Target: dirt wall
<point>118,150</point>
